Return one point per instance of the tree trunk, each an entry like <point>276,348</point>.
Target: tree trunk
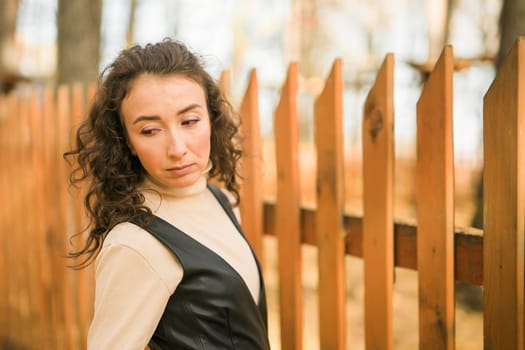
<point>8,14</point>
<point>131,22</point>
<point>304,27</point>
<point>511,25</point>
<point>78,40</point>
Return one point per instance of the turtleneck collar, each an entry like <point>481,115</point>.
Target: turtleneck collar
<point>197,187</point>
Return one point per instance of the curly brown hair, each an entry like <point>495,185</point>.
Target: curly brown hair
<point>104,159</point>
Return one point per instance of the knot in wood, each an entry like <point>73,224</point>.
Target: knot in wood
<point>375,122</point>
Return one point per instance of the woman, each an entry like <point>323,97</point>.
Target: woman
<point>173,270</point>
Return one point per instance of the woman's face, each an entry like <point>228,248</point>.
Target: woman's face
<point>168,127</point>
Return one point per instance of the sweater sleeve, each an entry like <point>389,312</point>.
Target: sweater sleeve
<point>129,301</point>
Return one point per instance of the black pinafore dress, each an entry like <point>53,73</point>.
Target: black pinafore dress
<point>212,307</point>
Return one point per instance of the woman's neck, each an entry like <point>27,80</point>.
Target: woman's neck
<point>190,190</point>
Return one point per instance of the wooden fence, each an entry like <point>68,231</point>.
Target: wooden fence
<point>44,305</point>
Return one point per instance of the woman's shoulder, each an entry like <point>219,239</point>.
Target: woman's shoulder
<point>145,247</point>
<point>131,235</point>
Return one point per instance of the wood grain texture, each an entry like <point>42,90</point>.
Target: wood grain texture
<point>377,223</point>
<point>287,220</point>
<point>251,168</point>
<point>4,189</point>
<point>504,204</point>
<point>63,276</point>
<point>435,207</point>
<point>38,131</point>
<point>328,113</point>
<point>51,221</point>
<point>224,83</point>
<point>85,279</point>
<point>468,242</point>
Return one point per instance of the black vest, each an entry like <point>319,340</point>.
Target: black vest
<point>212,307</point>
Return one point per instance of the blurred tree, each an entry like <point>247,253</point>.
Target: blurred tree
<point>307,10</point>
<point>8,15</point>
<point>131,22</point>
<point>78,40</point>
<point>511,25</point>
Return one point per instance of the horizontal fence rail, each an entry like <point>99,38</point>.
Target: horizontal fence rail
<point>45,305</point>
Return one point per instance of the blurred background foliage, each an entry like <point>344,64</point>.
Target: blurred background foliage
<point>61,41</point>
<point>64,41</point>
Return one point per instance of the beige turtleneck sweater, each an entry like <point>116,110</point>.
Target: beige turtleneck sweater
<point>136,274</point>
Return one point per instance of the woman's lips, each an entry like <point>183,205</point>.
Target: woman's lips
<point>180,170</point>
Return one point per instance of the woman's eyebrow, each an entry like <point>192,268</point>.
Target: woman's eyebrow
<point>145,117</point>
<point>189,108</point>
<point>154,117</point>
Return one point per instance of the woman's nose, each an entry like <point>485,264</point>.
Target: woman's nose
<point>177,145</point>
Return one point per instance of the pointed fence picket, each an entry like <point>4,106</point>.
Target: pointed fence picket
<point>287,213</point>
<point>251,169</point>
<point>328,114</point>
<point>378,200</point>
<point>45,305</point>
<point>504,204</point>
<point>435,207</point>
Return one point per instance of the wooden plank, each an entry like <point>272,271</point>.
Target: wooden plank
<point>288,210</point>
<point>16,244</point>
<point>9,253</point>
<point>23,260</point>
<point>51,290</point>
<point>36,218</point>
<point>224,83</point>
<point>10,209</point>
<point>504,203</point>
<point>30,258</point>
<point>31,261</point>
<point>435,207</point>
<point>38,130</point>
<point>377,224</point>
<point>4,189</point>
<point>328,115</point>
<point>36,334</point>
<point>64,276</point>
<point>21,226</point>
<point>251,168</point>
<point>83,277</point>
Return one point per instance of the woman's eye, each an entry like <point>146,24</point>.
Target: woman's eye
<point>148,132</point>
<point>191,121</point>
